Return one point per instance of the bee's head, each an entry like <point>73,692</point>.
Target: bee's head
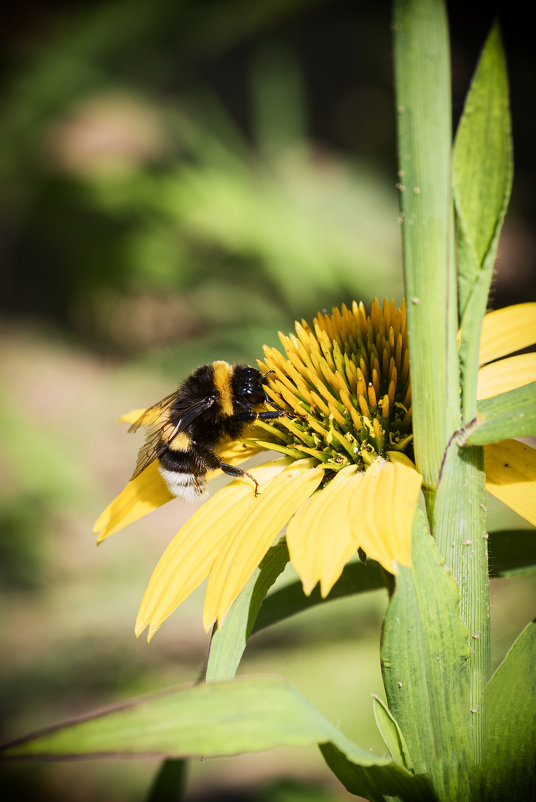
<point>248,384</point>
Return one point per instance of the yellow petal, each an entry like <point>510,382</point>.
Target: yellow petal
<point>506,374</point>
<point>407,487</point>
<point>254,535</point>
<point>140,496</point>
<point>403,459</point>
<point>190,555</point>
<point>382,511</point>
<point>511,476</point>
<point>507,330</point>
<point>319,537</point>
<point>132,416</point>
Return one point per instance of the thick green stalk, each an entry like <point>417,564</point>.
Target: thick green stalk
<point>456,512</point>
<point>422,79</point>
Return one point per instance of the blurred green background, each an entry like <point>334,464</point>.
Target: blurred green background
<point>179,180</point>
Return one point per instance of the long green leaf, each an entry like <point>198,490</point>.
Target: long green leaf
<point>481,166</point>
<point>424,662</point>
<point>246,715</point>
<point>505,416</point>
<point>482,180</point>
<point>509,764</point>
<point>422,80</point>
<point>227,718</point>
<point>227,644</point>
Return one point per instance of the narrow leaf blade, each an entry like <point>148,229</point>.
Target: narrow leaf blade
<point>228,643</point>
<point>391,733</point>
<point>482,180</point>
<point>482,163</point>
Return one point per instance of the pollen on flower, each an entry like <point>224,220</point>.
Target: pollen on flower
<point>346,378</point>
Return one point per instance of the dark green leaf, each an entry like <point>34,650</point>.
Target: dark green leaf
<point>169,783</point>
<point>375,783</point>
<point>505,416</point>
<point>357,577</point>
<point>509,762</point>
<point>512,552</point>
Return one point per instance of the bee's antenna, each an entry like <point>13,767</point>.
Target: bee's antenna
<point>268,373</point>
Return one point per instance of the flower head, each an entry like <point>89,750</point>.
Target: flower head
<point>347,381</point>
<point>344,482</point>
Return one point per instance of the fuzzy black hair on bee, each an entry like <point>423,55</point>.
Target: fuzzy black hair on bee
<point>187,428</point>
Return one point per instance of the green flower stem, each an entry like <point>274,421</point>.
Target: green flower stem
<point>460,530</point>
<point>422,79</point>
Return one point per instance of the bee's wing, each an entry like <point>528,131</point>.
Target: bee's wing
<point>154,445</point>
<point>152,415</point>
<point>150,450</point>
<point>188,411</point>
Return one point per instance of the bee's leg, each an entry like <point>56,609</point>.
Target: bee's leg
<point>268,415</point>
<point>271,414</point>
<point>212,462</point>
<point>234,470</point>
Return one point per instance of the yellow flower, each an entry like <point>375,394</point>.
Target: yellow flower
<point>345,481</point>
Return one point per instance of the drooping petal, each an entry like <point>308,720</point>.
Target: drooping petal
<point>506,374</point>
<point>511,476</point>
<point>254,534</point>
<point>319,536</point>
<point>382,510</point>
<point>407,487</point>
<point>507,330</point>
<point>139,497</point>
<point>132,416</point>
<point>189,557</point>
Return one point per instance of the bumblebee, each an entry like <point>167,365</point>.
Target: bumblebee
<point>186,429</point>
